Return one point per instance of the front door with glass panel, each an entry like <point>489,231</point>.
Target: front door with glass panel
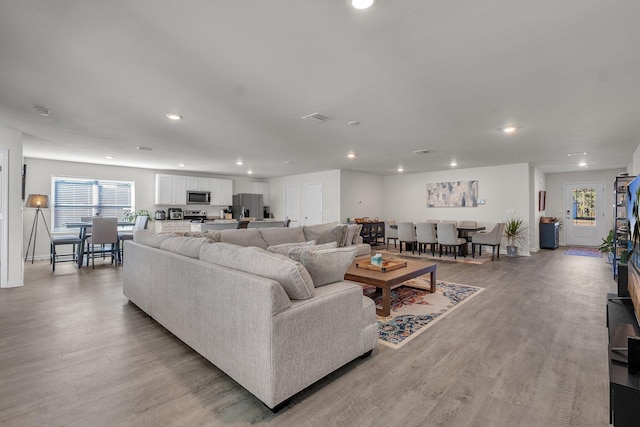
<point>584,219</point>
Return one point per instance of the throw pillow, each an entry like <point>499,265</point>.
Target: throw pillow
<point>329,265</point>
<point>356,235</point>
<point>283,249</point>
<point>294,253</point>
<point>349,235</point>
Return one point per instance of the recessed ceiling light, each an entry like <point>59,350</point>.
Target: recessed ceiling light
<point>400,169</point>
<point>41,110</point>
<point>453,163</point>
<point>250,172</point>
<point>239,163</point>
<point>582,164</point>
<point>173,116</point>
<point>361,4</point>
<point>287,162</point>
<point>110,157</point>
<point>582,153</point>
<point>353,123</point>
<point>182,165</point>
<point>509,129</point>
<point>351,155</point>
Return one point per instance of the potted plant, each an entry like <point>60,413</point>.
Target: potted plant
<point>132,215</point>
<point>514,231</point>
<point>607,246</point>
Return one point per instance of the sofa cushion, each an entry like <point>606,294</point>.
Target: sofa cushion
<point>329,265</point>
<point>212,237</point>
<point>277,236</point>
<point>292,276</point>
<point>283,249</point>
<point>294,253</point>
<point>149,238</point>
<point>187,246</point>
<point>325,233</point>
<point>243,237</point>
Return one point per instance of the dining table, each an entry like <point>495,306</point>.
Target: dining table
<point>464,232</point>
<point>82,227</point>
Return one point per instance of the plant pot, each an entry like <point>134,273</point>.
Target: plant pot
<point>609,257</point>
<point>512,251</point>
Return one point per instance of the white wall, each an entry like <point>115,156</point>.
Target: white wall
<point>39,173</point>
<point>555,192</point>
<point>506,191</point>
<point>11,140</point>
<point>635,169</point>
<point>330,181</point>
<point>361,195</point>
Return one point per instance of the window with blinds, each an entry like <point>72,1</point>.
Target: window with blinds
<point>74,198</point>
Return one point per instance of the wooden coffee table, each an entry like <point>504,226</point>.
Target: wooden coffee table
<point>390,279</point>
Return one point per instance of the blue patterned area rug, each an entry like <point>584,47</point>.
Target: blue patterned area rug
<point>414,309</point>
<point>581,251</point>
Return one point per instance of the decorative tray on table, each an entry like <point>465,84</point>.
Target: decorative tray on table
<point>387,265</point>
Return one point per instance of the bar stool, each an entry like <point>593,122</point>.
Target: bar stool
<point>63,240</point>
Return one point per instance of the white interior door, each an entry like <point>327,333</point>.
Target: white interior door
<point>312,204</point>
<point>292,204</point>
<point>584,223</point>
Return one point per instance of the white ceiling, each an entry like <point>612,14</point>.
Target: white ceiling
<point>438,75</point>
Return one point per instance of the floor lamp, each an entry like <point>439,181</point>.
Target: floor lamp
<point>38,201</point>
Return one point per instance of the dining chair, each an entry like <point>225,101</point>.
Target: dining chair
<point>407,235</point>
<point>141,224</point>
<point>433,221</point>
<point>87,230</point>
<point>448,238</point>
<point>426,235</point>
<point>390,233</point>
<point>60,240</point>
<point>491,238</point>
<point>104,232</point>
<point>243,224</point>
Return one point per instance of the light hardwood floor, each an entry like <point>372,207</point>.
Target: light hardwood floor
<point>531,350</point>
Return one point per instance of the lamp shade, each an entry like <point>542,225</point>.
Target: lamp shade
<point>37,201</point>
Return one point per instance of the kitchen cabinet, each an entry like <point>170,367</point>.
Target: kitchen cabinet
<point>261,188</point>
<point>198,183</point>
<point>221,192</point>
<point>171,190</point>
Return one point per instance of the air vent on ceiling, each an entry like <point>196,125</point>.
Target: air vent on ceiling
<point>422,151</point>
<point>317,117</point>
<point>140,147</point>
<point>41,110</point>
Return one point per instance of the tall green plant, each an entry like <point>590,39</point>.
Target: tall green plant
<point>514,229</point>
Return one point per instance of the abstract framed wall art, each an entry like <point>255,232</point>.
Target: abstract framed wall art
<point>455,194</point>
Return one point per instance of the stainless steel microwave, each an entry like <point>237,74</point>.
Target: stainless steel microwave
<point>198,197</point>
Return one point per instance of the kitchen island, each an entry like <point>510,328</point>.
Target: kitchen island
<point>181,226</point>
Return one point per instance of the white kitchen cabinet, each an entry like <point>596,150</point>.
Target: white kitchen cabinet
<point>195,183</point>
<point>221,192</point>
<point>261,188</point>
<point>171,190</point>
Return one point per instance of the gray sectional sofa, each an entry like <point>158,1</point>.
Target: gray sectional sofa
<point>273,324</point>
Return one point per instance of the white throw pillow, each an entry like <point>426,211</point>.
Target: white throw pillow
<point>356,234</point>
<point>294,253</point>
<point>283,249</point>
<point>328,266</point>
